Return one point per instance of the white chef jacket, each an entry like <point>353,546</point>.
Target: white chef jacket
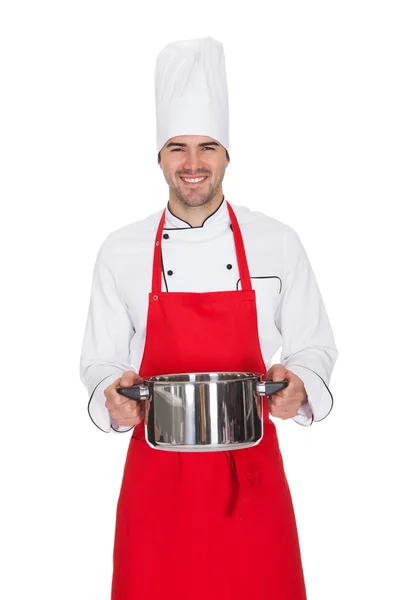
<point>290,310</point>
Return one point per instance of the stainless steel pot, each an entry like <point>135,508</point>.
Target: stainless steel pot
<point>197,412</point>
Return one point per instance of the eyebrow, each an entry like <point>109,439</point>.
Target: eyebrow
<point>202,144</point>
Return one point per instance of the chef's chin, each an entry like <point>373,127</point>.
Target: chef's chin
<point>194,197</point>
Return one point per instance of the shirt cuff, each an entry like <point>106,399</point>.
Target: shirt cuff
<point>305,415</point>
<point>98,411</point>
<point>119,428</point>
<point>320,400</point>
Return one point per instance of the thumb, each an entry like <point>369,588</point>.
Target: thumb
<point>127,378</point>
<point>276,373</point>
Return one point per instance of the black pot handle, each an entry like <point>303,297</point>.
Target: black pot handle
<point>272,387</point>
<point>134,392</point>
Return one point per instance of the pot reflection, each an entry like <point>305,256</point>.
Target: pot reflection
<point>147,410</point>
<point>258,401</point>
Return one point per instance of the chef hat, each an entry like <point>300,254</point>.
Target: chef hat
<point>191,91</point>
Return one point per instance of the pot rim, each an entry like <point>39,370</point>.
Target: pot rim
<point>182,378</point>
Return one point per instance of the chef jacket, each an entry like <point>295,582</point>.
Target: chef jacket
<point>290,311</point>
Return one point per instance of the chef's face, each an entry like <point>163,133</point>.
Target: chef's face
<point>193,156</point>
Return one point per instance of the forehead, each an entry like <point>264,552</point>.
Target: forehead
<point>191,140</point>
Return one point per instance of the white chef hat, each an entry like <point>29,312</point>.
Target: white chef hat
<point>191,91</point>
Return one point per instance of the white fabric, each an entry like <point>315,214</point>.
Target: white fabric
<point>191,91</point>
<point>291,312</point>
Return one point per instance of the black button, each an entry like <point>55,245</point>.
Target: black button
<point>165,236</point>
<point>229,266</point>
<point>170,272</point>
<point>231,226</point>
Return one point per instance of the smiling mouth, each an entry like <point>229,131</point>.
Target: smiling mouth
<point>194,180</point>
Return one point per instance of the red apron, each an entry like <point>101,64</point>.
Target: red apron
<point>213,525</point>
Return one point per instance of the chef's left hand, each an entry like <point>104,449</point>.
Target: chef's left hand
<point>286,403</point>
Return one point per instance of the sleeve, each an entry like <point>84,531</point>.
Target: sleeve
<point>308,346</point>
<point>105,346</point>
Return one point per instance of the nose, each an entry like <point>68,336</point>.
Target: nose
<point>193,164</point>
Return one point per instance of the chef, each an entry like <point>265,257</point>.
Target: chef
<point>213,525</point>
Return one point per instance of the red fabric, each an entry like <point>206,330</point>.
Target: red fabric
<point>214,525</point>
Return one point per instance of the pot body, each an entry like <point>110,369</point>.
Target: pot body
<point>203,411</point>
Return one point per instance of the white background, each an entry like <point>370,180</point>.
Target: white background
<point>314,126</point>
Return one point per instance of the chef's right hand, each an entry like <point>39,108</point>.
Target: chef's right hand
<point>123,410</point>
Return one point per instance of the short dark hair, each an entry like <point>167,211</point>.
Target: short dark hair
<point>226,152</point>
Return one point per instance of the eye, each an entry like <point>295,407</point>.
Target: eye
<point>176,150</point>
<point>208,148</point>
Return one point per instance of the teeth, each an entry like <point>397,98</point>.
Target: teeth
<point>196,180</point>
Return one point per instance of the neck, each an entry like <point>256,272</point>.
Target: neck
<point>194,215</point>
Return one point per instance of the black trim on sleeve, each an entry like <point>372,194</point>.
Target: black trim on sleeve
<point>104,430</point>
<point>125,430</point>
<point>330,410</point>
<point>90,399</point>
<point>306,424</point>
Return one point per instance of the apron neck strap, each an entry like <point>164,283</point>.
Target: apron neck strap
<point>240,251</point>
<point>239,246</point>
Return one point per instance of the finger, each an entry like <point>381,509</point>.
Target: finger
<point>127,422</point>
<point>130,378</point>
<point>121,404</point>
<point>284,410</point>
<point>282,414</point>
<point>132,410</point>
<point>112,386</point>
<point>117,399</point>
<point>290,390</point>
<point>127,379</point>
<point>276,373</point>
<point>278,401</point>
